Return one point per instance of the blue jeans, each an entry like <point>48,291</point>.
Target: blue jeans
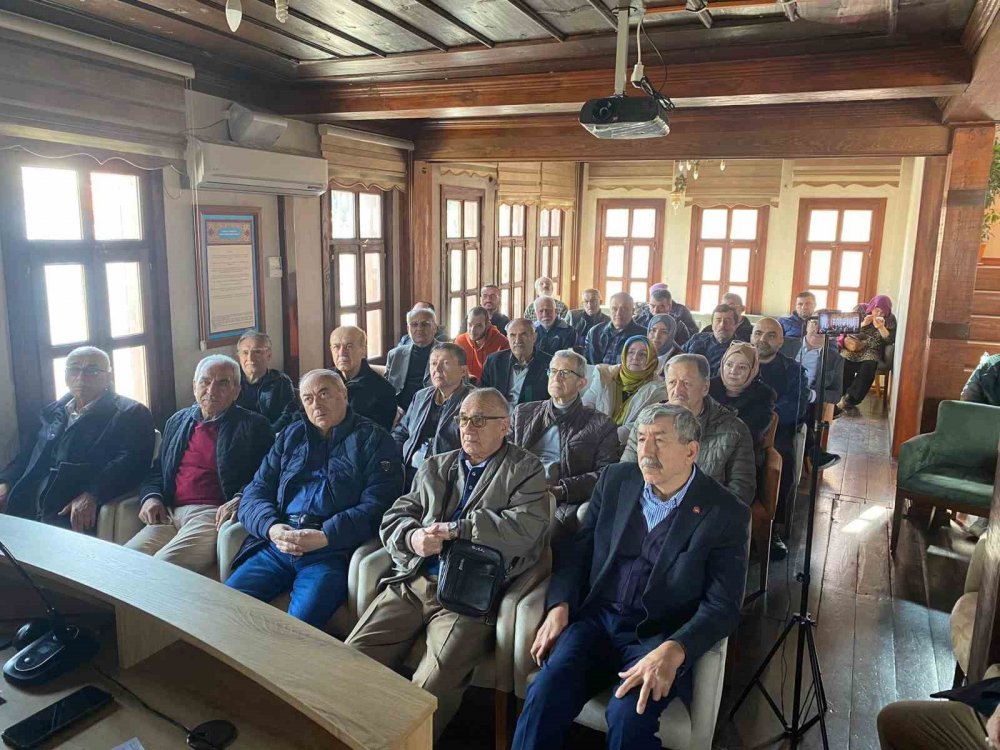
<point>317,581</point>
<point>586,660</point>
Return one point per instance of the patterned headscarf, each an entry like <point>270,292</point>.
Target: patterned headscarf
<point>671,324</point>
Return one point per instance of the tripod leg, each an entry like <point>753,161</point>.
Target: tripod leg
<point>762,668</point>
<point>821,705</point>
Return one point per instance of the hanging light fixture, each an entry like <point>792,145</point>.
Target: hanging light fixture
<point>281,10</point>
<point>694,172</point>
<point>234,14</point>
<point>722,165</point>
<point>678,192</point>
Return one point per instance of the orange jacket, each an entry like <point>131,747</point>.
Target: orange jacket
<point>476,353</point>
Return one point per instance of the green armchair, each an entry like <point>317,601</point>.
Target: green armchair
<point>952,467</point>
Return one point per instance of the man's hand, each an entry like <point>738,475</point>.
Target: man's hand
<point>153,512</point>
<point>296,542</point>
<point>425,543</point>
<point>993,729</point>
<point>655,673</point>
<point>4,489</point>
<point>82,512</point>
<point>442,530</point>
<point>553,625</point>
<point>226,511</point>
<point>312,539</point>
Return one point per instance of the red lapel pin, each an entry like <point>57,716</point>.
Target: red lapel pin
<point>696,509</point>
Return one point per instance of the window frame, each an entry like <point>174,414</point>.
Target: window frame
<point>28,315</point>
<point>464,244</point>
<point>358,247</point>
<point>758,252</point>
<point>601,243</point>
<point>545,266</point>
<point>872,249</point>
<point>516,244</point>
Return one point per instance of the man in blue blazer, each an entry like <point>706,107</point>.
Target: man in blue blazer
<point>520,373</point>
<point>653,579</point>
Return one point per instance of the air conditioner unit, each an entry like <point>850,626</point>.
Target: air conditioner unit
<point>247,170</point>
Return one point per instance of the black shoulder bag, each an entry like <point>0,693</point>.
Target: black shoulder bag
<point>472,574</point>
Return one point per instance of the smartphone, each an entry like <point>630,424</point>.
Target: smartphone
<point>834,323</point>
<point>40,726</point>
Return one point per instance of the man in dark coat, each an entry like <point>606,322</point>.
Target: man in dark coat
<point>519,374</point>
<point>93,445</point>
<point>606,341</point>
<point>268,392</point>
<point>368,393</point>
<point>319,495</point>
<point>653,579</point>
<point>586,318</point>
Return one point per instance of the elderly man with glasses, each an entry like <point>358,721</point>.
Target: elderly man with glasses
<point>268,392</point>
<point>209,452</point>
<point>574,442</point>
<point>92,446</point>
<point>490,492</point>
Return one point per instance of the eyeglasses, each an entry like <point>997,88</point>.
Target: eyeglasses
<point>87,372</point>
<point>476,420</point>
<point>253,352</point>
<point>562,374</point>
<point>421,324</point>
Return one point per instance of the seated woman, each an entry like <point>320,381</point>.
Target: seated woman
<point>738,386</point>
<point>661,332</point>
<point>622,391</point>
<point>863,351</point>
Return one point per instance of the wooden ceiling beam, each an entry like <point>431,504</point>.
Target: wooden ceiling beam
<point>248,19</point>
<point>980,102</point>
<point>908,72</point>
<point>332,31</point>
<point>404,25</point>
<point>606,14</point>
<point>537,19</point>
<point>457,22</point>
<point>909,128</point>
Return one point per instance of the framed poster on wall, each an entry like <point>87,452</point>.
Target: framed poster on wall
<point>230,289</point>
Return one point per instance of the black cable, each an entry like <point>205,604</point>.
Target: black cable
<point>657,51</point>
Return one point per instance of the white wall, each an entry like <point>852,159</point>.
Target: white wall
<point>8,405</point>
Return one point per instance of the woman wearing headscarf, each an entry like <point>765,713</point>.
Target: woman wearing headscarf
<point>622,391</point>
<point>863,351</point>
<point>738,386</point>
<point>661,332</point>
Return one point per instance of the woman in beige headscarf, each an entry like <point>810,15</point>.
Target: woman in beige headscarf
<point>738,386</point>
<point>622,391</point>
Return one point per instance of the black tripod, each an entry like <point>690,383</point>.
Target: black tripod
<point>803,620</point>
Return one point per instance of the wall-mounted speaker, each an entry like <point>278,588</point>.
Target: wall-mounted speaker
<point>254,129</point>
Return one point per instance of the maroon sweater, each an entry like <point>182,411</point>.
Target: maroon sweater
<point>197,481</point>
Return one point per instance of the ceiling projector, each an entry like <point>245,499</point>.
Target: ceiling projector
<point>625,117</point>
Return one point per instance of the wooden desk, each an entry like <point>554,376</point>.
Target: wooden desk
<point>352,698</point>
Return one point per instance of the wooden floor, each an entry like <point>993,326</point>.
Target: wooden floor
<point>882,623</point>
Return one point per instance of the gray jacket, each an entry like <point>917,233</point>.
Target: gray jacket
<point>509,510</point>
<point>833,387</point>
<point>397,362</point>
<point>446,437</point>
<point>726,452</point>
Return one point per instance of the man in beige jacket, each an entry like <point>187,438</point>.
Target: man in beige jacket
<point>491,492</point>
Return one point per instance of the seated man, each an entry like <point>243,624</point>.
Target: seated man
<point>209,453</point>
<point>439,335</point>
<point>489,298</point>
<point>519,374</point>
<point>480,340</point>
<point>429,425</point>
<point>589,316</point>
<point>318,496</point>
<point>490,492</point>
<point>625,608</point>
<point>679,312</point>
<point>744,328</point>
<point>553,333</point>
<point>369,394</point>
<point>809,356</point>
<point>726,452</point>
<point>983,386</point>
<point>787,379</point>
<point>712,345</point>
<point>661,303</point>
<point>793,325</point>
<point>546,287</point>
<point>93,445</point>
<point>406,365</point>
<point>943,725</point>
<point>605,341</point>
<point>574,442</point>
<point>268,392</point>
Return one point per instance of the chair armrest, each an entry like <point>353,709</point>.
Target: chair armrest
<point>354,574</point>
<point>974,577</point>
<point>708,678</point>
<point>506,629</point>
<point>530,611</point>
<point>227,544</point>
<point>120,519</point>
<point>372,569</point>
<point>914,455</point>
<point>106,520</point>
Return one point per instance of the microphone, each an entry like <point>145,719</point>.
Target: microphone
<point>62,648</point>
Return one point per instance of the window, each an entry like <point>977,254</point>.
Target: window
<point>629,238</point>
<point>462,222</point>
<point>727,255</point>
<point>358,288</point>
<point>85,267</point>
<point>550,228</point>
<point>510,258</point>
<point>837,252</point>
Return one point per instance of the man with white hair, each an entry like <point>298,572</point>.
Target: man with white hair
<point>546,287</point>
<point>606,341</point>
<point>319,495</point>
<point>264,390</point>
<point>368,393</point>
<point>406,365</point>
<point>653,579</point>
<point>441,334</point>
<point>554,333</point>
<point>93,445</point>
<point>208,454</point>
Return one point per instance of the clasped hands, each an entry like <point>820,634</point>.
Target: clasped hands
<point>296,542</point>
<point>653,674</point>
<point>429,540</point>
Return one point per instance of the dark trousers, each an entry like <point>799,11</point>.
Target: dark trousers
<point>858,379</point>
<point>317,581</point>
<point>586,660</point>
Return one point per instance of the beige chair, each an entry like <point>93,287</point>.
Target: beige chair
<point>963,614</point>
<point>680,729</point>
<point>231,538</point>
<point>118,519</point>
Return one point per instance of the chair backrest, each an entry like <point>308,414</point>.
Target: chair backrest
<point>380,369</point>
<point>967,434</point>
<point>771,429</point>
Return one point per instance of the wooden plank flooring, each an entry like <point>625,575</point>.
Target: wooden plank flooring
<point>882,623</point>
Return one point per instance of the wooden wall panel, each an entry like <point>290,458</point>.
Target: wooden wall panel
<point>421,202</point>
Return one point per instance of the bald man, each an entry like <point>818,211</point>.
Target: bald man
<point>605,341</point>
<point>368,393</point>
<point>319,495</point>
